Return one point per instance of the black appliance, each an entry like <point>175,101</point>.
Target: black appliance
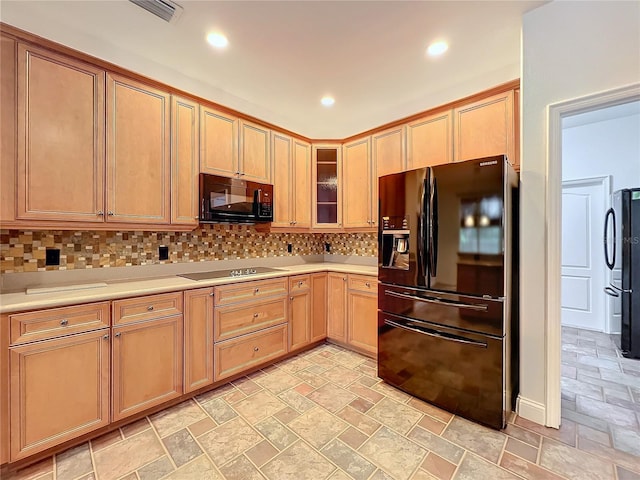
<point>622,255</point>
<point>233,200</point>
<point>448,290</point>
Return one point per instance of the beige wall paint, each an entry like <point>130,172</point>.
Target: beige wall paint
<point>569,50</point>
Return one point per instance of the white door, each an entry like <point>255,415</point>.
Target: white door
<point>583,267</point>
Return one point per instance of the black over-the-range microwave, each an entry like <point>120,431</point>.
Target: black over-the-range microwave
<point>233,200</point>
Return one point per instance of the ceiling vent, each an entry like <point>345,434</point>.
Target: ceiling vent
<point>165,9</point>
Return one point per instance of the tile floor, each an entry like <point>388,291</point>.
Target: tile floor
<point>325,415</point>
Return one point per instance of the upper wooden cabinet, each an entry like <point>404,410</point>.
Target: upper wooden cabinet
<point>485,128</point>
<point>389,151</point>
<point>138,156</point>
<point>185,153</point>
<point>218,143</point>
<point>60,163</point>
<point>429,140</point>
<point>359,184</point>
<point>291,160</point>
<point>254,160</point>
<point>8,128</point>
<point>327,185</point>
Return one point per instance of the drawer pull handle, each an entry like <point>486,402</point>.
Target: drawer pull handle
<point>255,315</point>
<point>64,322</point>
<point>106,337</point>
<point>150,308</point>
<point>255,349</point>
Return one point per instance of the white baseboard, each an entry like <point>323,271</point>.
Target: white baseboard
<point>531,410</point>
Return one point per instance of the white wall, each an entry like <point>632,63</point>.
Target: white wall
<point>609,147</point>
<point>569,49</point>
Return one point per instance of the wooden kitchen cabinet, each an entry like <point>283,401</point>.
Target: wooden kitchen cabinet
<point>485,128</point>
<point>218,143</point>
<point>59,390</point>
<point>254,159</point>
<point>291,163</point>
<point>300,311</point>
<point>138,154</point>
<point>337,306</point>
<point>185,154</point>
<point>362,313</point>
<point>388,148</point>
<point>198,339</point>
<point>60,137</point>
<point>430,140</point>
<point>360,185</point>
<point>8,128</point>
<point>327,186</point>
<point>318,306</point>
<point>147,355</point>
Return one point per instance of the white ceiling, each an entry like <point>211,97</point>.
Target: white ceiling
<point>284,56</point>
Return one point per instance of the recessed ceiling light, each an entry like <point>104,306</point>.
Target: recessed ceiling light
<point>437,48</point>
<point>217,40</point>
<point>327,100</point>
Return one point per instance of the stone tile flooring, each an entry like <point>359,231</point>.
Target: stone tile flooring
<point>325,415</point>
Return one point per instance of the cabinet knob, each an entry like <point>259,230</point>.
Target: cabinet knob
<point>63,322</point>
<point>106,337</point>
<point>255,349</point>
<point>242,174</point>
<point>344,279</point>
<point>299,284</point>
<point>257,290</point>
<point>294,222</point>
<point>100,213</point>
<point>255,315</point>
<point>291,298</point>
<point>211,294</point>
<point>368,285</point>
<point>150,308</point>
<point>110,213</point>
<point>117,334</point>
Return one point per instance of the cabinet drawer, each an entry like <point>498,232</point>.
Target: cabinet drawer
<point>233,320</point>
<point>363,283</point>
<point>239,292</point>
<point>299,282</point>
<point>139,309</point>
<point>238,354</point>
<point>56,322</point>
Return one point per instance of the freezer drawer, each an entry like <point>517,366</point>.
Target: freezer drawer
<point>458,371</point>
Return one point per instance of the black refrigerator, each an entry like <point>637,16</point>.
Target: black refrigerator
<point>448,286</point>
<point>622,256</point>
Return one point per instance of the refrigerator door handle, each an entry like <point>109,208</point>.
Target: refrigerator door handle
<point>437,301</point>
<point>434,333</point>
<point>424,215</point>
<point>618,289</point>
<point>433,230</point>
<point>611,213</point>
<point>611,292</point>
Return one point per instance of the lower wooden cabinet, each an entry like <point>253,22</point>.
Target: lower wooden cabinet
<point>246,351</point>
<point>146,365</point>
<point>362,314</point>
<point>198,339</point>
<point>337,306</point>
<point>299,312</point>
<point>318,306</point>
<point>59,390</point>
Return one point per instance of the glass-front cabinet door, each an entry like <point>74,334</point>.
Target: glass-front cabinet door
<point>327,186</point>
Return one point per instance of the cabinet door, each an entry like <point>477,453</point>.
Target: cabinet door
<point>185,134</point>
<point>318,306</point>
<point>198,338</point>
<point>337,306</point>
<point>138,156</point>
<point>362,317</point>
<point>299,319</point>
<point>484,128</point>
<point>147,365</point>
<point>283,180</point>
<point>59,391</point>
<point>389,151</point>
<point>430,140</point>
<point>327,186</point>
<point>8,129</point>
<point>218,143</point>
<point>356,176</point>
<point>61,160</point>
<point>301,198</point>
<point>255,154</point>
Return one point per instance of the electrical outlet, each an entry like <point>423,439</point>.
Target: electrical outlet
<point>327,247</point>
<point>52,256</point>
<point>163,253</point>
<point>289,248</point>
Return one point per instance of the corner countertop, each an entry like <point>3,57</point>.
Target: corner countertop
<point>111,290</point>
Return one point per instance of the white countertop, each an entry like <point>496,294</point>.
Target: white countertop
<point>110,290</point>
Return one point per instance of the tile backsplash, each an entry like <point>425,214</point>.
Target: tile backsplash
<point>25,251</point>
